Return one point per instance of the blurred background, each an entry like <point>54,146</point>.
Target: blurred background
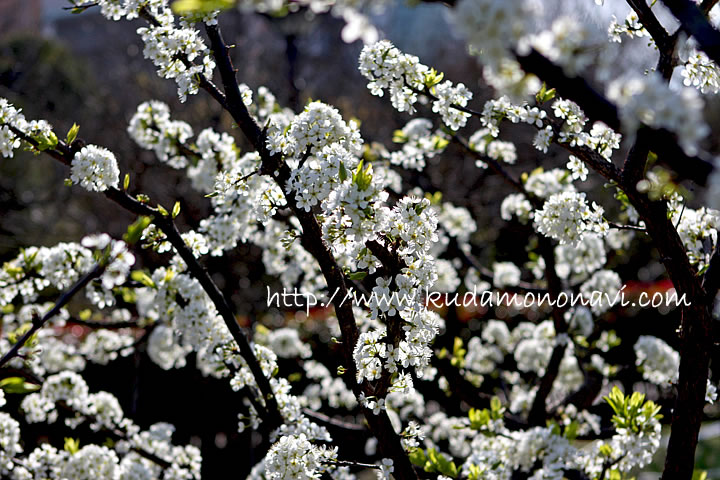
<point>87,70</point>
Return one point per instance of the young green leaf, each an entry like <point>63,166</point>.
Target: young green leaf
<point>72,134</point>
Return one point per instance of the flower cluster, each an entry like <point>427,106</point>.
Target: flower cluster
<point>405,78</point>
<point>151,128</point>
<point>317,126</point>
<point>37,268</point>
<point>658,361</point>
<point>495,27</point>
<point>701,72</point>
<point>631,27</point>
<point>293,457</point>
<point>649,100</point>
<point>567,218</point>
<point>419,144</point>
<point>172,49</point>
<point>95,168</point>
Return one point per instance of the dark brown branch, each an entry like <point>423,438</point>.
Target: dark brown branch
<point>694,22</point>
<point>665,43</point>
<point>312,240</point>
<point>597,107</point>
<point>707,5</point>
<point>319,417</point>
<point>711,280</point>
<point>64,154</point>
<point>198,272</point>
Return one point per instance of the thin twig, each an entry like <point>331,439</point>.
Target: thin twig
<point>38,322</point>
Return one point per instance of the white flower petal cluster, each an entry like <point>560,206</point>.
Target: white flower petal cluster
<point>10,116</point>
<point>495,27</point>
<point>61,266</point>
<point>710,392</point>
<point>578,168</point>
<point>168,47</point>
<point>701,72</point>
<point>403,76</point>
<point>103,346</point>
<point>293,457</point>
<point>580,260</point>
<point>14,128</point>
<point>567,218</point>
<point>482,358</point>
<point>659,362</point>
<point>218,152</point>
<point>286,343</point>
<point>505,274</point>
<point>569,43</point>
<point>448,97</point>
<point>457,222</point>
<point>516,205</point>
<point>9,441</point>
<point>544,184</point>
<point>172,49</point>
<point>649,100</point>
<point>240,202</point>
<point>532,353</point>
<point>91,462</point>
<point>325,388</point>
<point>165,349</point>
<point>631,27</point>
<point>420,144</point>
<point>483,142</point>
<point>319,125</point>
<point>102,411</point>
<point>202,328</point>
<point>152,129</point>
<point>95,169</point>
<point>698,230</point>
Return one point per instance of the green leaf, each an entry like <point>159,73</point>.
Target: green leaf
<point>495,404</point>
<point>399,137</point>
<point>176,210</point>
<point>72,445</point>
<point>362,177</point>
<point>439,143</point>
<point>343,172</point>
<point>18,385</point>
<point>699,475</point>
<point>46,141</point>
<point>142,277</point>
<point>136,229</point>
<point>357,275</point>
<point>126,181</point>
<point>417,457</point>
<point>605,450</point>
<point>162,210</point>
<point>432,78</point>
<point>475,472</point>
<point>571,431</point>
<point>72,134</point>
<point>544,95</point>
<point>185,7</point>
